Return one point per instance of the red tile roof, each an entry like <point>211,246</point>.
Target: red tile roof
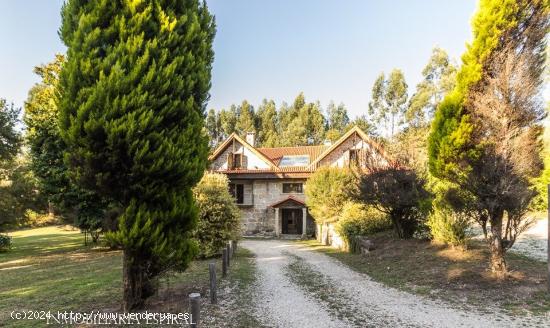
<point>288,199</point>
<point>275,154</point>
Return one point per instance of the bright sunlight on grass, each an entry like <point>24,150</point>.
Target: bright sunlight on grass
<point>50,269</point>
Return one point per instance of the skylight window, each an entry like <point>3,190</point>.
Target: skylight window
<point>300,160</point>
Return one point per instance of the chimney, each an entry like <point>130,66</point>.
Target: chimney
<point>251,138</point>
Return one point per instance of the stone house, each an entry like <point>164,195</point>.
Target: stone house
<point>268,183</point>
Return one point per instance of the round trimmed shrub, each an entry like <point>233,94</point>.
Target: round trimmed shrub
<point>359,220</point>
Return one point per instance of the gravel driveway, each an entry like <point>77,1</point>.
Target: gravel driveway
<point>534,242</point>
<point>298,287</point>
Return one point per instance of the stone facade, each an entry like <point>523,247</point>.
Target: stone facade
<point>263,176</point>
<point>259,218</point>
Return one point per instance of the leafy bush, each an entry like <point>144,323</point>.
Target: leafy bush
<point>539,203</point>
<point>35,219</point>
<point>327,191</point>
<point>18,195</point>
<point>446,224</point>
<point>5,243</point>
<point>401,194</point>
<point>219,217</point>
<point>360,220</point>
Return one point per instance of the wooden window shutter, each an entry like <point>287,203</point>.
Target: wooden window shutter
<point>230,161</point>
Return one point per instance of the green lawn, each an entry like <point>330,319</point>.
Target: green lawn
<point>50,269</point>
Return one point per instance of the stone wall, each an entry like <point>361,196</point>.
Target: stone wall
<point>260,218</point>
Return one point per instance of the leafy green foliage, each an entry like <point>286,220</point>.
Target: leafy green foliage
<point>364,124</point>
<point>306,127</point>
<point>328,190</point>
<point>389,97</point>
<point>450,140</point>
<point>401,194</point>
<point>267,124</point>
<point>213,126</point>
<point>47,152</point>
<point>360,220</point>
<point>219,217</point>
<point>540,202</point>
<point>337,117</point>
<point>43,137</point>
<point>5,243</point>
<point>439,77</point>
<point>10,138</point>
<point>20,203</point>
<point>302,123</point>
<point>485,135</point>
<point>245,122</point>
<point>446,224</point>
<point>132,97</point>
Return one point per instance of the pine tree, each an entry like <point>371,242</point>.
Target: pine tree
<point>132,99</point>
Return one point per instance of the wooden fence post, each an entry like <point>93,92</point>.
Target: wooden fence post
<point>213,292</point>
<point>234,247</point>
<point>224,262</point>
<point>228,247</point>
<point>195,304</point>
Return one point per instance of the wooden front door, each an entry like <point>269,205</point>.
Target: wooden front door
<point>292,221</point>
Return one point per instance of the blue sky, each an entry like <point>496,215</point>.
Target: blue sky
<point>330,50</point>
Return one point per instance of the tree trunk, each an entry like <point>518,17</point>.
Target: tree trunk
<point>397,224</point>
<point>498,263</point>
<point>51,210</point>
<point>133,282</point>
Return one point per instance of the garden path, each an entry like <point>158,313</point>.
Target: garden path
<point>534,242</point>
<point>299,287</point>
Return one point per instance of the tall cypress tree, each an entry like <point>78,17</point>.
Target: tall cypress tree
<point>132,99</point>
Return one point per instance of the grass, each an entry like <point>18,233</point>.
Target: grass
<point>49,269</point>
<point>457,276</point>
<point>241,280</point>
